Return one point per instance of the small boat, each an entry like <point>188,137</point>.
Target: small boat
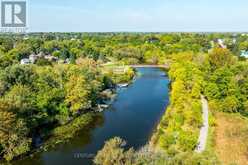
<point>123,85</point>
<point>104,106</point>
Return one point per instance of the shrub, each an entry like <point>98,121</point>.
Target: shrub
<point>114,154</point>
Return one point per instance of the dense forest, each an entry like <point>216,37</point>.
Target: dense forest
<point>65,81</point>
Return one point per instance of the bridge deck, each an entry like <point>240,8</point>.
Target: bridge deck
<point>150,66</point>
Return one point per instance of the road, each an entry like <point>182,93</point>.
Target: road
<point>202,141</point>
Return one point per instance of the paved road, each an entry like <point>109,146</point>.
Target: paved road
<point>202,141</point>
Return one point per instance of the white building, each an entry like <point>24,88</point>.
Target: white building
<point>33,58</point>
<point>25,61</point>
<point>221,43</point>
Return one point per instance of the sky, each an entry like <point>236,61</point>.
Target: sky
<point>138,15</point>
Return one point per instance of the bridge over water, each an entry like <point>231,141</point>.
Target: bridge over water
<point>150,66</point>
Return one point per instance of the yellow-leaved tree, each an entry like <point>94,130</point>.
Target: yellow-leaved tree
<point>77,93</point>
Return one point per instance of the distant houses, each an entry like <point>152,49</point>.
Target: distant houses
<point>120,70</point>
<point>152,40</point>
<point>66,61</point>
<point>30,60</point>
<point>34,57</point>
<point>221,43</point>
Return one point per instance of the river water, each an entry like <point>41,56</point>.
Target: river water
<point>133,116</point>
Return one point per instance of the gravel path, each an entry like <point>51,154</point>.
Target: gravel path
<point>202,141</point>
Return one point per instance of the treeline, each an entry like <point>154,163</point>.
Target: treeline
<point>35,100</point>
<point>179,128</point>
<point>227,82</point>
<point>115,152</point>
<point>219,76</point>
<point>125,47</point>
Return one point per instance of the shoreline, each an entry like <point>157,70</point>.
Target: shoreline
<point>73,127</point>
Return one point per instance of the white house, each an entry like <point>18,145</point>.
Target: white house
<point>25,61</point>
<point>33,58</point>
<point>40,55</point>
<point>67,61</point>
<point>221,43</point>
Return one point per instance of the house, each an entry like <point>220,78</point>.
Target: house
<point>41,55</point>
<point>33,58</point>
<point>244,54</point>
<point>221,43</point>
<point>67,61</point>
<point>152,40</point>
<point>26,37</point>
<point>234,41</point>
<point>25,61</point>
<point>120,70</point>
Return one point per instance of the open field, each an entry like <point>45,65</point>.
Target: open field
<point>231,136</point>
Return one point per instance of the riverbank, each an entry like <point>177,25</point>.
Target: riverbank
<point>59,135</point>
<point>64,133</point>
<point>51,138</point>
<point>51,135</point>
<point>133,115</point>
<point>180,125</point>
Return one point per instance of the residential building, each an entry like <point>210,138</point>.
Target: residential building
<point>25,61</point>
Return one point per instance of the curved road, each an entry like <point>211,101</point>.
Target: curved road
<point>202,141</point>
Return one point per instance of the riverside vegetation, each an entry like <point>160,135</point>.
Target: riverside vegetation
<point>41,99</point>
<point>36,102</point>
<point>177,134</point>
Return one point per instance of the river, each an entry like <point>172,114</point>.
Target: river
<point>133,116</point>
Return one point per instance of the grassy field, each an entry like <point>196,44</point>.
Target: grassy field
<point>231,139</point>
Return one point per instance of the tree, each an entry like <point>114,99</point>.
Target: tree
<point>56,53</point>
<point>18,74</point>
<point>114,154</point>
<point>20,97</point>
<point>243,45</point>
<point>21,50</point>
<point>77,93</point>
<point>6,43</point>
<point>13,132</point>
<point>230,104</point>
<point>43,62</point>
<point>220,58</point>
